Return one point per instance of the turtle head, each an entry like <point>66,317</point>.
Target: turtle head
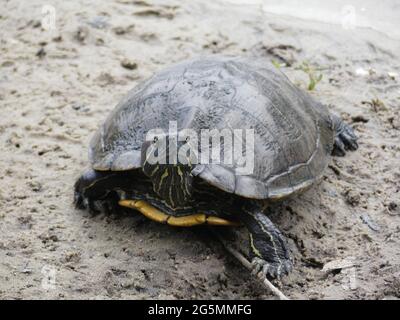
<point>169,172</point>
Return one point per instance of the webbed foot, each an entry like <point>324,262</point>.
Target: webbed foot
<point>268,248</point>
<point>271,270</point>
<point>91,195</point>
<point>85,203</point>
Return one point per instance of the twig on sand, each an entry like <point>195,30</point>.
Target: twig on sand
<point>248,266</point>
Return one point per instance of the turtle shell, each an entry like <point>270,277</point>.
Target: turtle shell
<point>293,133</point>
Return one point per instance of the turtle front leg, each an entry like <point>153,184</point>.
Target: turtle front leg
<point>268,250</point>
<point>83,188</point>
<point>345,138</point>
<point>92,186</point>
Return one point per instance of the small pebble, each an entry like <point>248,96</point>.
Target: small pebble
<point>81,34</point>
<point>368,221</point>
<point>41,53</point>
<point>360,118</point>
<point>129,64</point>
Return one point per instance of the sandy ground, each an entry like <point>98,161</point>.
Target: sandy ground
<point>57,86</point>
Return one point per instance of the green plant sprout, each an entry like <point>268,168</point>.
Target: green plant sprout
<point>277,64</point>
<point>311,71</point>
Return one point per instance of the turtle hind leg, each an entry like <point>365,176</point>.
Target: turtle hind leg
<point>268,249</point>
<point>345,138</point>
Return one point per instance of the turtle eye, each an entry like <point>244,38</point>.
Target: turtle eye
<point>187,139</point>
<point>155,139</point>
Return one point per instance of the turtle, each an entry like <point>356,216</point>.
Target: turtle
<point>133,163</point>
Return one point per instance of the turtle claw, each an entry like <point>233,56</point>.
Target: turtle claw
<point>271,270</point>
<point>92,207</point>
<point>339,148</point>
<point>256,266</point>
<point>79,201</point>
<point>82,203</point>
<point>349,138</point>
<point>107,205</point>
<point>345,139</point>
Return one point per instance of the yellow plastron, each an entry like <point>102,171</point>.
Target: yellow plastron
<point>185,221</point>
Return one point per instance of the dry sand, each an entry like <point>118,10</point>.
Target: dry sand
<point>57,86</point>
